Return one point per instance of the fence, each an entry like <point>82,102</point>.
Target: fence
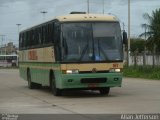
<point>141,59</point>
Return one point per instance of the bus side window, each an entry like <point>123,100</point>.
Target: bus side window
<point>34,39</point>
<point>57,33</point>
<point>9,58</point>
<point>27,39</point>
<point>1,58</point>
<point>52,32</point>
<point>20,41</point>
<point>36,36</point>
<point>47,32</point>
<point>23,40</point>
<point>39,36</point>
<point>57,41</point>
<point>32,42</point>
<point>47,40</point>
<point>43,34</point>
<point>30,39</point>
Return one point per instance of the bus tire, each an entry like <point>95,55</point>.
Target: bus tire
<point>104,91</point>
<point>31,85</point>
<point>54,89</point>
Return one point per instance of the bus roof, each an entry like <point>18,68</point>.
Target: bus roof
<point>79,17</point>
<point>87,17</point>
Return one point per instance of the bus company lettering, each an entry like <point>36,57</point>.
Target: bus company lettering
<point>32,55</point>
<point>115,65</point>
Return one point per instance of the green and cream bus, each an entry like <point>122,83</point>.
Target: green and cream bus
<point>76,51</point>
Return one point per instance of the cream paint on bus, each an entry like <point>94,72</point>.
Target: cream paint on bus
<point>90,66</point>
<point>47,55</point>
<point>37,55</point>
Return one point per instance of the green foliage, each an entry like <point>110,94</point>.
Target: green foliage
<point>137,44</point>
<point>152,29</point>
<point>147,72</point>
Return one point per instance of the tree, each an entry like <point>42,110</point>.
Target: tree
<point>152,30</point>
<point>137,44</point>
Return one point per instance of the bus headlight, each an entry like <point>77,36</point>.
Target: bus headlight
<point>115,70</point>
<point>72,71</point>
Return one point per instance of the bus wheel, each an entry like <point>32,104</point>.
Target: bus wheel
<point>104,91</point>
<point>31,85</point>
<point>54,89</point>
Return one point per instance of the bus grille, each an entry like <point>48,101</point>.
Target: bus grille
<point>83,72</point>
<point>93,80</point>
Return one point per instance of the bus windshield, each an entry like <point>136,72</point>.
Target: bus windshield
<point>90,42</point>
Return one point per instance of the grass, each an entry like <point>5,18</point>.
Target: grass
<point>147,72</point>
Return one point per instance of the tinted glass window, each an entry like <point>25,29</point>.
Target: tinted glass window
<point>84,42</point>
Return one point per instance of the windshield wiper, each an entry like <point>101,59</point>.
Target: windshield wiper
<point>101,49</point>
<point>84,51</point>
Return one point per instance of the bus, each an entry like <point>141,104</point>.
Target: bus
<point>8,60</point>
<point>73,52</point>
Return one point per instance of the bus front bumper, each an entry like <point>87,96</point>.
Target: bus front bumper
<point>92,80</point>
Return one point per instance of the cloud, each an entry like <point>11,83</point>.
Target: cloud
<point>27,12</point>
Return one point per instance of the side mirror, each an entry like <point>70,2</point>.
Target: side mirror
<point>125,39</point>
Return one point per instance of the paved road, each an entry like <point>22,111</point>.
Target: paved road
<point>136,96</point>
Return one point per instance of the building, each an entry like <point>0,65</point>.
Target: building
<point>8,49</point>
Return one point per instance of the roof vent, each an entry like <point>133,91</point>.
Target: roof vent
<point>74,12</point>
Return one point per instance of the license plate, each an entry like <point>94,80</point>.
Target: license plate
<point>92,85</point>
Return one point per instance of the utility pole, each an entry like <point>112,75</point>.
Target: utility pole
<point>18,25</point>
<point>129,21</point>
<point>5,49</point>
<point>123,26</point>
<point>2,39</point>
<point>43,13</point>
<point>144,57</point>
<point>103,6</point>
<point>4,46</point>
<point>88,6</point>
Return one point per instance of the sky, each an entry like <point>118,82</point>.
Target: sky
<point>28,13</point>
